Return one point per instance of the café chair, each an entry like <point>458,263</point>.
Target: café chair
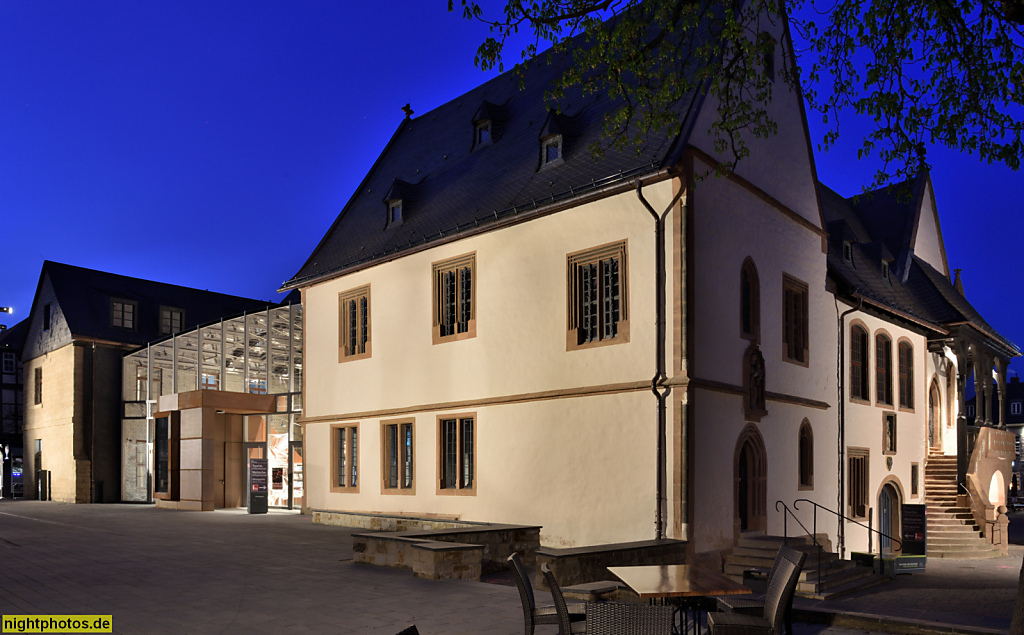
<point>614,618</point>
<point>755,606</point>
<point>566,625</point>
<point>532,614</point>
<point>781,587</point>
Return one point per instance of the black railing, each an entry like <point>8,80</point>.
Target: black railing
<point>813,533</point>
<point>842,517</point>
<point>787,512</point>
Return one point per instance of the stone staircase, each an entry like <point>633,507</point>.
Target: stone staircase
<point>952,532</point>
<point>838,577</point>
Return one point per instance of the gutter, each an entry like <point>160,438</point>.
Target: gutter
<point>658,382</point>
<point>841,413</point>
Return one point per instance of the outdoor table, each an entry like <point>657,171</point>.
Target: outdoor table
<point>683,585</point>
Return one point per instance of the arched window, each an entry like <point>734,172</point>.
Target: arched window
<point>806,456</point>
<point>750,302</point>
<point>883,369</point>
<point>906,365</point>
<point>859,364</point>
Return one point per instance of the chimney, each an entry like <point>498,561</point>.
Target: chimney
<point>1015,379</point>
<point>957,283</point>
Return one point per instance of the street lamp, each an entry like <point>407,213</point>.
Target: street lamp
<point>6,309</point>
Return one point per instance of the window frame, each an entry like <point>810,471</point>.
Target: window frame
<point>363,324</point>
<point>858,480</point>
<point>890,429</point>
<point>124,304</point>
<point>482,126</point>
<point>915,479</point>
<point>618,250</point>
<point>752,312</point>
<point>460,488</point>
<point>1016,408</point>
<point>405,465</point>
<point>805,455</point>
<point>209,381</point>
<point>793,351</point>
<point>883,370</point>
<point>864,389</point>
<point>170,312</point>
<point>349,467</point>
<point>47,316</point>
<point>10,364</point>
<point>440,315</point>
<point>551,141</point>
<point>37,386</point>
<point>394,212</point>
<point>905,374</point>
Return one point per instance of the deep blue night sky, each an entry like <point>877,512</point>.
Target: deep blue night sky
<point>211,144</point>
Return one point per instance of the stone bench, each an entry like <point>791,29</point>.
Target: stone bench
<point>463,553</point>
<point>581,565</point>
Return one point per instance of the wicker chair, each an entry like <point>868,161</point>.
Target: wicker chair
<point>566,626</point>
<point>755,606</point>
<point>780,592</point>
<point>611,618</point>
<point>532,614</point>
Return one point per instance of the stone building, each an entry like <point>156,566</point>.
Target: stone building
<point>81,324</point>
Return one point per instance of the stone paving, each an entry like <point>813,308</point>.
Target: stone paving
<point>159,571</point>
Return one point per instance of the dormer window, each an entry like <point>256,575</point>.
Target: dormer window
<point>482,134</point>
<point>551,151</point>
<point>551,141</point>
<point>885,270</point>
<point>394,202</point>
<point>394,212</point>
<point>848,251</point>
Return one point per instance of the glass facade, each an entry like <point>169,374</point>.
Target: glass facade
<point>258,353</point>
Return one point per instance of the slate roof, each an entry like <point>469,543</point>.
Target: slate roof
<point>882,222</point>
<point>13,339</point>
<point>449,186</point>
<point>84,296</point>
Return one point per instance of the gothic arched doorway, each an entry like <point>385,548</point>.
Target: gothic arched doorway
<point>888,518</point>
<point>751,467</point>
<point>934,416</point>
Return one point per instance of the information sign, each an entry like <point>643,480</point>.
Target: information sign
<point>915,530</point>
<point>257,486</point>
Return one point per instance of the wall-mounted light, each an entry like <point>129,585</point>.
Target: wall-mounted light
<point>6,309</point>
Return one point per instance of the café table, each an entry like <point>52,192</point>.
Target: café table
<point>683,585</point>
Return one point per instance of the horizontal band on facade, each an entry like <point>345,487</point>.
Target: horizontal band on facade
<point>564,393</point>
<point>730,389</point>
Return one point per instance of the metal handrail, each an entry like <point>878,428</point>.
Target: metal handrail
<point>843,517</point>
<point>785,532</point>
<point>974,506</point>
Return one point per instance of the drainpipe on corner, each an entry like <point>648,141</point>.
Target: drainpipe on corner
<point>841,411</point>
<point>658,387</point>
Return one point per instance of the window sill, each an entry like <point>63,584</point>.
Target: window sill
<point>796,362</point>
<point>470,333</point>
<point>345,490</point>
<point>459,491</point>
<point>342,357</point>
<point>572,338</point>
<point>398,491</point>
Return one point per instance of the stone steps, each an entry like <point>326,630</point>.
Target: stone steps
<point>952,532</point>
<point>833,578</point>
